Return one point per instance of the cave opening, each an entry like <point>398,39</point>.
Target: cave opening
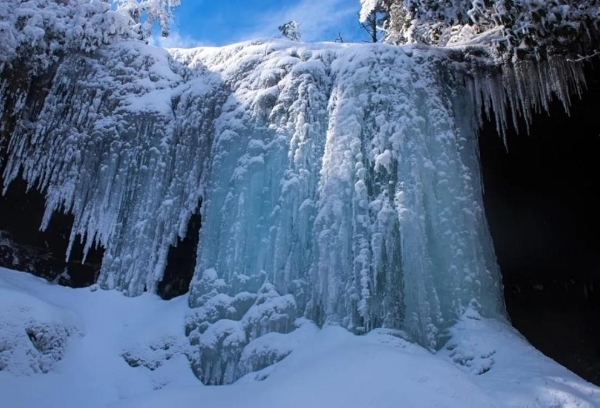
<point>542,201</point>
<point>24,247</point>
<point>181,261</point>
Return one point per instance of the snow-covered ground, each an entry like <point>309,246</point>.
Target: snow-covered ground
<point>67,348</point>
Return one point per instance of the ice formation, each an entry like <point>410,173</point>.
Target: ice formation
<point>339,183</point>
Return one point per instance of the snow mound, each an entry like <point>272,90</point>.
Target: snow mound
<point>33,333</point>
<point>152,354</point>
<point>87,370</point>
<point>260,354</point>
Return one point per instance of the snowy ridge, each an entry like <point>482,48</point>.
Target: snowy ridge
<point>339,183</point>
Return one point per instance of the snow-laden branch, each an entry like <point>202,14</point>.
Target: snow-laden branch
<point>529,28</point>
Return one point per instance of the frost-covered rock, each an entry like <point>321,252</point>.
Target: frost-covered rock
<point>273,347</point>
<point>13,257</point>
<point>36,260</point>
<point>33,334</point>
<point>153,353</point>
<point>226,332</point>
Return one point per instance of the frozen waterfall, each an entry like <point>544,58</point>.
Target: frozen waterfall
<point>339,184</point>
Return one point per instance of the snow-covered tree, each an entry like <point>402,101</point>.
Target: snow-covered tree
<point>144,14</point>
<point>521,27</point>
<point>375,23</point>
<point>291,30</point>
<point>41,31</point>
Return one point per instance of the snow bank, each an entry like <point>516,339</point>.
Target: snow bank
<point>327,368</point>
<point>89,368</point>
<point>33,333</point>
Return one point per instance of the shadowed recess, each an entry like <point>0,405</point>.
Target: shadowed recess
<point>181,262</point>
<point>24,247</point>
<point>541,200</point>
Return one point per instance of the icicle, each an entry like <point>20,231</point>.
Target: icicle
<point>523,88</point>
<point>106,148</point>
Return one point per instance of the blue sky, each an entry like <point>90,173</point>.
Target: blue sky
<point>219,22</point>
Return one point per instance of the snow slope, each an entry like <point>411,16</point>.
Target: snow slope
<point>92,372</point>
<point>485,364</point>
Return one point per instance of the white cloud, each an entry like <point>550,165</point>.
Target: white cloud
<point>316,18</point>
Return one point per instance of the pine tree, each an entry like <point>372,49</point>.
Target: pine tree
<point>375,23</point>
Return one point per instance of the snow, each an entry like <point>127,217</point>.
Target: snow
<point>43,29</point>
<point>89,370</point>
<point>327,368</point>
<point>32,333</point>
<point>338,186</point>
<point>516,28</point>
<point>338,183</point>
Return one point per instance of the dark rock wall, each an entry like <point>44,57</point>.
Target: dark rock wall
<point>542,202</point>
